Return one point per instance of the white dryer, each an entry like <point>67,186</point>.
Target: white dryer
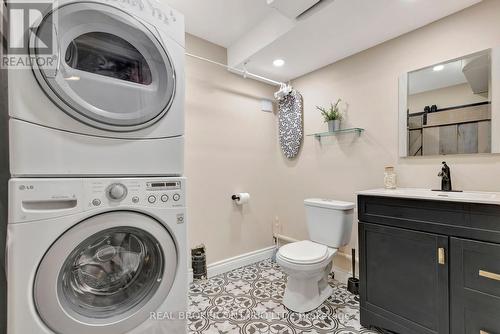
<point>111,101</point>
<point>104,256</point>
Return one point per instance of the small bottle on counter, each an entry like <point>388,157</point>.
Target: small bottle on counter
<point>390,181</point>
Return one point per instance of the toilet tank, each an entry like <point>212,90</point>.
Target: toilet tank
<point>329,222</point>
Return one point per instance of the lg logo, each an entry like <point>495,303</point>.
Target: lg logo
<point>26,187</point>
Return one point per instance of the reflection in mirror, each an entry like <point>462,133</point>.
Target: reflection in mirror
<point>449,107</point>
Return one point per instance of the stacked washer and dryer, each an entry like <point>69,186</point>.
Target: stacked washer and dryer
<point>97,216</point>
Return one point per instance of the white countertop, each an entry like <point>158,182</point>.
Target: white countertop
<point>416,193</point>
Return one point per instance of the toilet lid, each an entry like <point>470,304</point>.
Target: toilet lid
<point>304,252</point>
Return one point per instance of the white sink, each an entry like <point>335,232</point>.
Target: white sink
<point>466,196</point>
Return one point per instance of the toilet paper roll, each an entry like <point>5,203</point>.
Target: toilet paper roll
<point>242,198</point>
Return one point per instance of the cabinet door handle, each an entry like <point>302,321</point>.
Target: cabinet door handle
<point>441,256</point>
<point>490,275</point>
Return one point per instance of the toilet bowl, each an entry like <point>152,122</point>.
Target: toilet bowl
<point>308,263</point>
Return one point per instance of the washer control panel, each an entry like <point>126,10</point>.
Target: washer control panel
<point>44,198</point>
<point>156,192</point>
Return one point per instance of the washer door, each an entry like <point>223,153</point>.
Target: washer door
<point>110,69</point>
<point>106,274</point>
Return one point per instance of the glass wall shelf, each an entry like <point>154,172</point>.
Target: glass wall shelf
<point>358,131</point>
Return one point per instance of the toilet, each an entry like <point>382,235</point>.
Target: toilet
<point>308,263</point>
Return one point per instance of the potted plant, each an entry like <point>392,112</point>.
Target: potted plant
<point>332,115</point>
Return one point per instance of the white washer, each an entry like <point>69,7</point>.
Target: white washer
<point>104,256</point>
<point>111,101</point>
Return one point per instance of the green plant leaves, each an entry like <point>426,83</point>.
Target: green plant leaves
<point>333,113</point>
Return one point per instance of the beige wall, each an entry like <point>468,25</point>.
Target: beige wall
<point>338,167</point>
<point>230,147</point>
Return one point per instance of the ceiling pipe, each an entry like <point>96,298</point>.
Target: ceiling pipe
<point>283,91</point>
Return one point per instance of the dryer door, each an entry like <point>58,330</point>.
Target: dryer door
<point>110,69</point>
<point>106,274</point>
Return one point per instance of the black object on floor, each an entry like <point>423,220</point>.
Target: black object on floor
<point>199,263</point>
<point>353,282</point>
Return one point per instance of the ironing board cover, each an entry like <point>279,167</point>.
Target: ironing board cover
<point>291,130</point>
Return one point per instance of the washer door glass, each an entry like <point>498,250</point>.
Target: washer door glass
<point>106,274</point>
<point>111,272</point>
<point>110,69</point>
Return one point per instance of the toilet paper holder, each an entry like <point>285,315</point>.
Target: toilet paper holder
<point>240,198</point>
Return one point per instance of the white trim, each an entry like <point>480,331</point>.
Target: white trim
<point>242,260</point>
<point>495,100</point>
<point>403,116</point>
<point>341,275</point>
<point>236,262</point>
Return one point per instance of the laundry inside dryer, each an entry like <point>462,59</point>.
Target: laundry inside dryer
<point>109,55</point>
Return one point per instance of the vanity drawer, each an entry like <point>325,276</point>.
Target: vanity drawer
<point>481,267</point>
<point>485,217</point>
<point>475,287</point>
<point>463,220</point>
<point>409,212</point>
<point>481,322</point>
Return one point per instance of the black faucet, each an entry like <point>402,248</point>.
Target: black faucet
<point>445,177</point>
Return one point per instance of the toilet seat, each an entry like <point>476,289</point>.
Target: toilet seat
<point>304,252</point>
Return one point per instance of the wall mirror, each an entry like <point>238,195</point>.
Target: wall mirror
<point>448,108</point>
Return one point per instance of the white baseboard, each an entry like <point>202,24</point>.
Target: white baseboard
<point>236,262</point>
<point>341,275</point>
<point>242,260</point>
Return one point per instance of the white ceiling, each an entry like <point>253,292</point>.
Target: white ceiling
<point>256,33</point>
<point>221,21</point>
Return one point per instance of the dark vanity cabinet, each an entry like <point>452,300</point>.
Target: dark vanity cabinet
<point>404,281</point>
<point>429,266</point>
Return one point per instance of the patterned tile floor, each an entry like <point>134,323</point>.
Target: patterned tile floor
<point>248,301</point>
